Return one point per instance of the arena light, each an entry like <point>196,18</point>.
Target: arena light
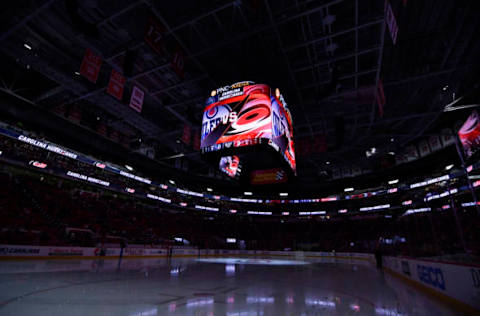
<point>247,193</point>
<point>231,240</point>
<point>370,152</point>
<point>209,189</point>
<point>206,208</point>
<point>393,190</point>
<point>393,181</point>
<point>476,183</point>
<point>193,193</point>
<point>27,46</point>
<point>245,200</point>
<point>343,211</point>
<point>47,146</point>
<point>158,198</point>
<point>38,164</point>
<point>129,168</point>
<point>449,167</point>
<point>134,177</point>
<point>100,165</point>
<point>312,213</point>
<point>348,189</point>
<point>376,207</point>
<point>467,204</point>
<point>259,213</point>
<point>328,199</point>
<point>233,211</point>
<point>417,210</point>
<point>285,213</point>
<point>87,178</point>
<point>407,202</point>
<point>183,204</point>
<point>171,182</point>
<point>283,194</point>
<point>469,168</point>
<point>130,190</point>
<point>430,181</point>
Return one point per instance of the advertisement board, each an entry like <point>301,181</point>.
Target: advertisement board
<point>458,281</point>
<point>275,175</point>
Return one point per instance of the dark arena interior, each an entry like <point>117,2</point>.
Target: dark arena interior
<point>240,158</point>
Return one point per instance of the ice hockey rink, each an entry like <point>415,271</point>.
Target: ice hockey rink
<point>207,286</point>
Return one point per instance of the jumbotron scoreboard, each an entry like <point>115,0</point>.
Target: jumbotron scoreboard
<point>247,132</point>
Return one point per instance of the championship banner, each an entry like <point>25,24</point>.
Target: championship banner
<point>434,142</point>
<point>75,115</point>
<point>469,134</point>
<point>196,140</point>
<point>423,148</point>
<point>154,34</point>
<point>270,176</point>
<point>411,153</point>
<point>115,136</point>
<point>136,100</point>
<point>187,134</point>
<point>178,63</point>
<point>319,144</point>
<point>447,137</point>
<point>380,97</point>
<point>116,84</point>
<point>391,21</point>
<point>90,67</point>
<point>102,129</point>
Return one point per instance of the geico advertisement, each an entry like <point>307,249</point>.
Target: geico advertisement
<point>459,281</point>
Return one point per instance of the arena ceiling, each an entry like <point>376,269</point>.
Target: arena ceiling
<point>327,57</point>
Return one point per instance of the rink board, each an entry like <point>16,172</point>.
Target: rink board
<point>448,281</point>
<point>14,252</point>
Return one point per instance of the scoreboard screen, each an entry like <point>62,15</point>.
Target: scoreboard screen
<point>247,114</point>
<point>230,165</point>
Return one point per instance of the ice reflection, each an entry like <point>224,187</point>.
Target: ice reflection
<point>388,311</point>
<point>260,299</point>
<point>319,302</point>
<point>197,302</point>
<point>245,313</point>
<point>230,269</point>
<point>271,262</point>
<point>149,312</point>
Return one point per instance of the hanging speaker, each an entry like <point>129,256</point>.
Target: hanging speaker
<point>87,28</point>
<point>339,126</point>
<point>129,62</point>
